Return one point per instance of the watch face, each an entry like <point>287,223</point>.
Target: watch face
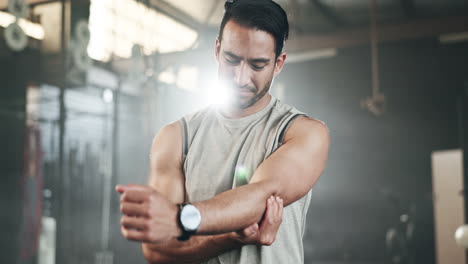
<point>190,217</point>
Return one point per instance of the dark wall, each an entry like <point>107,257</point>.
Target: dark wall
<point>378,168</point>
<point>11,162</point>
<point>17,70</point>
<point>463,128</point>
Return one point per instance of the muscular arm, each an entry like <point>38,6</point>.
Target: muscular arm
<point>301,159</point>
<point>196,250</point>
<point>166,177</point>
<point>290,172</point>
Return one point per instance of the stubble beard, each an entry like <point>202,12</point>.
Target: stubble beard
<point>240,104</point>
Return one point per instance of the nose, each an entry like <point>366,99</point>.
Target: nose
<point>242,75</point>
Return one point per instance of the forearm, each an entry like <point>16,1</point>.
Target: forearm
<point>195,250</point>
<point>235,209</point>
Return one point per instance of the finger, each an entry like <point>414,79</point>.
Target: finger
<point>274,211</point>
<point>278,208</point>
<point>254,229</point>
<point>119,188</point>
<point>134,196</point>
<point>132,234</point>
<point>281,208</point>
<point>137,223</point>
<point>267,216</point>
<point>134,209</point>
<point>251,230</point>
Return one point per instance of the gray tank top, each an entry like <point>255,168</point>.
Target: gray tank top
<point>221,154</point>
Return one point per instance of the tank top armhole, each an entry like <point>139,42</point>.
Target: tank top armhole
<point>184,139</point>
<point>286,127</point>
<point>285,123</point>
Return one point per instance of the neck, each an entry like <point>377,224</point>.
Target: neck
<point>235,112</point>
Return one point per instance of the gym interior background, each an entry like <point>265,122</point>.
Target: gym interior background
<point>85,85</point>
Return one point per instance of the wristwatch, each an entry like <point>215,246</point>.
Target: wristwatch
<point>189,220</point>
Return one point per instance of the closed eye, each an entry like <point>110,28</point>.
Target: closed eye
<point>231,61</point>
<point>257,67</point>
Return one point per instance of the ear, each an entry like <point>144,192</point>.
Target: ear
<point>280,63</point>
<point>217,49</point>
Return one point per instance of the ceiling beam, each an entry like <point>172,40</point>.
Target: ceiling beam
<point>159,5</point>
<point>386,33</point>
<point>341,39</point>
<point>31,3</point>
<point>176,14</point>
<point>329,13</point>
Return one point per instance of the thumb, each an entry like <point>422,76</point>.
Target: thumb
<point>127,187</point>
<point>253,230</point>
<point>255,227</point>
<point>120,188</point>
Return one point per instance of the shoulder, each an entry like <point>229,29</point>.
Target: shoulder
<point>169,131</point>
<point>308,130</point>
<point>167,143</point>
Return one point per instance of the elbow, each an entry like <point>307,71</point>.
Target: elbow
<point>267,187</point>
<point>273,188</point>
<point>278,188</point>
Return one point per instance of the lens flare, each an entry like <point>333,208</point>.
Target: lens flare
<point>242,175</point>
<point>218,93</point>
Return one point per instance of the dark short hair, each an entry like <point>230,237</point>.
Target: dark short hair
<point>265,15</point>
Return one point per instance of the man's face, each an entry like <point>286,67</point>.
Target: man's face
<point>247,63</point>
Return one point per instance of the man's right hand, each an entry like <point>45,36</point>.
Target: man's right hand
<point>265,233</point>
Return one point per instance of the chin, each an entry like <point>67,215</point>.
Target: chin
<point>246,102</point>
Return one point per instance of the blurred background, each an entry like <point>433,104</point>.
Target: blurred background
<point>85,85</point>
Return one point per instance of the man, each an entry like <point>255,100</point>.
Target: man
<point>232,168</point>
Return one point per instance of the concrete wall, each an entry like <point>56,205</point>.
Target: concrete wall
<point>372,159</point>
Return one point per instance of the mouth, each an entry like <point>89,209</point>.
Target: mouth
<point>243,92</point>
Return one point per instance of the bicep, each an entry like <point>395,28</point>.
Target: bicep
<point>294,168</point>
<point>166,173</point>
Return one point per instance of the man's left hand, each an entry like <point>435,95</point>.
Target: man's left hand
<point>264,233</point>
<point>148,216</point>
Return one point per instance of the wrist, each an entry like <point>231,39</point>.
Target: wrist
<point>189,219</point>
<point>177,227</point>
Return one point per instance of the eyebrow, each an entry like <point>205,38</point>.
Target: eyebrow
<point>256,60</point>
